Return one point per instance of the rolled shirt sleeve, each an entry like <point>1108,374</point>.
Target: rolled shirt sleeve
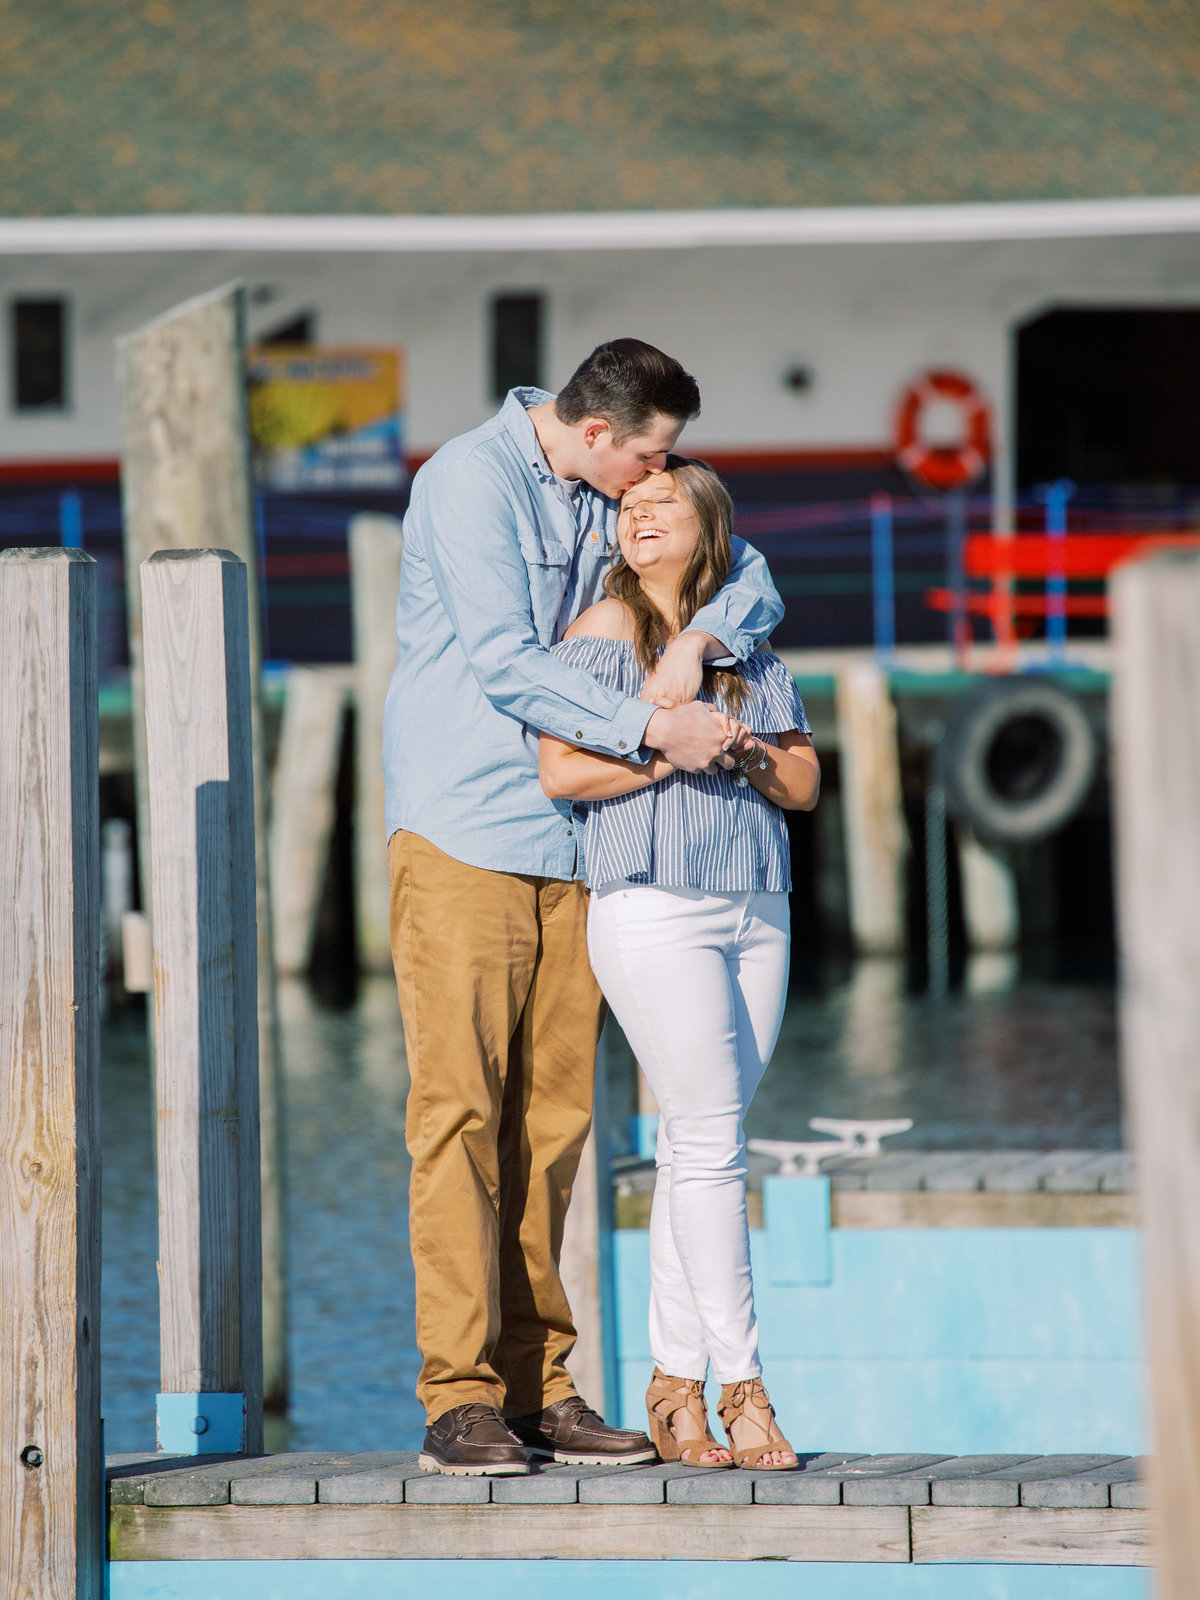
<point>745,611</point>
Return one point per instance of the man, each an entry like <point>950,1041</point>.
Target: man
<point>507,538</point>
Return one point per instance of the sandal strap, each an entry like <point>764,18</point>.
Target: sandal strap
<point>735,1399</point>
<point>678,1395</point>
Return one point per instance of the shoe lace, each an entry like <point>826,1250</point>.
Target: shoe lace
<point>477,1412</point>
<point>577,1408</point>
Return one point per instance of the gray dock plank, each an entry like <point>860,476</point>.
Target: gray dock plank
<point>548,1485</point>
<point>274,1489</point>
<point>1088,1489</point>
<point>897,1170</point>
<point>886,1466</point>
<point>1088,1174</point>
<point>630,1486</point>
<point>816,1482</point>
<point>953,1172</point>
<point>914,1488</point>
<point>1039,1484</point>
<point>1018,1172</point>
<point>1131,1496</point>
<point>974,1466</point>
<point>898,1480</point>
<point>380,1486</point>
<point>186,1489</point>
<point>208,1481</point>
<point>711,1486</point>
<point>1004,1487</point>
<point>848,1172</point>
<point>438,1489</point>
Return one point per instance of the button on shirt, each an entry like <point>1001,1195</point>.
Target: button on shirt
<point>499,559</point>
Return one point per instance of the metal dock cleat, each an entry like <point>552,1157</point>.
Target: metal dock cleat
<point>864,1137</point>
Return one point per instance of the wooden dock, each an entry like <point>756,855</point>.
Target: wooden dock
<point>942,1189</point>
<point>1053,1510</point>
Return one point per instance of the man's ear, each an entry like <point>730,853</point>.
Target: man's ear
<point>593,427</point>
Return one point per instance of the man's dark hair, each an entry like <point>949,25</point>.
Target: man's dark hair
<point>628,383</point>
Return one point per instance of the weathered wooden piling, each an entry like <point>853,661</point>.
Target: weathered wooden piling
<point>1156,732</point>
<point>989,894</point>
<point>376,546</point>
<point>304,806</point>
<point>872,809</point>
<point>201,813</point>
<point>586,1260</point>
<point>51,1466</point>
<point>186,484</point>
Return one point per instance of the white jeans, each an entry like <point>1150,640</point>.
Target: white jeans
<point>697,982</point>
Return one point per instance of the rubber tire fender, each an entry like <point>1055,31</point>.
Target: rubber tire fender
<point>1016,759</point>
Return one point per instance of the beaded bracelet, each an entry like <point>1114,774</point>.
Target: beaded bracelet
<point>744,767</point>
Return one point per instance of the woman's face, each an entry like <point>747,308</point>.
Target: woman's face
<point>657,528</point>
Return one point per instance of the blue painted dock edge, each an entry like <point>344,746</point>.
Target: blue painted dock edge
<point>600,1580</point>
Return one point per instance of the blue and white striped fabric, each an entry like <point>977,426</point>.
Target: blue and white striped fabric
<point>694,830</point>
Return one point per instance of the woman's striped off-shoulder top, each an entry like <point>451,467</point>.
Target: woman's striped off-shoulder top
<point>694,830</point>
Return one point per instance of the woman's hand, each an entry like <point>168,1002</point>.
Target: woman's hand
<point>692,737</point>
<point>677,678</point>
<point>738,742</point>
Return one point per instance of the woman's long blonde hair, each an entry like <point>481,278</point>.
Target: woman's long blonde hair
<point>710,564</point>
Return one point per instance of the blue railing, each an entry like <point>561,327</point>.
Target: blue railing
<point>851,571</point>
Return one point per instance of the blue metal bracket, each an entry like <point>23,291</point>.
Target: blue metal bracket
<point>201,1424</point>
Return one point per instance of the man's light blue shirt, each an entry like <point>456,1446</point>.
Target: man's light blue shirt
<point>498,561</point>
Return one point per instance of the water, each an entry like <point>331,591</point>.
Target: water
<point>1001,1067</point>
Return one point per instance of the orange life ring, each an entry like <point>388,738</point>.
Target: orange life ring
<point>943,466</point>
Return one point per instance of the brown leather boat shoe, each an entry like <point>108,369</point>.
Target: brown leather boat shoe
<point>473,1441</point>
<point>570,1431</point>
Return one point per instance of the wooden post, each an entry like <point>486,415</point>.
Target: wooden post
<point>872,809</point>
<point>201,805</point>
<point>51,1465</point>
<point>1156,733</point>
<point>303,806</point>
<point>186,484</point>
<point>376,545</point>
<point>989,894</point>
<point>645,1118</point>
<point>586,1262</point>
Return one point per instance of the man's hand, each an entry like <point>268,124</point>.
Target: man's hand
<point>676,679</point>
<point>691,737</point>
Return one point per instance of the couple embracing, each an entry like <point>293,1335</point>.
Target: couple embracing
<point>588,748</point>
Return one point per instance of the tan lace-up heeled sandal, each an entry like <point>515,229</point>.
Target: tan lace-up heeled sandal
<point>671,1405</point>
<point>748,1400</point>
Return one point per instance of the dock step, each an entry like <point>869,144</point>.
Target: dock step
<point>1058,1510</point>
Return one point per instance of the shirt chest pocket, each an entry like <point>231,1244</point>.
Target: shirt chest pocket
<point>549,572</point>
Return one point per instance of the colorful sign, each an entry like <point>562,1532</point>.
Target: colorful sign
<point>327,416</point>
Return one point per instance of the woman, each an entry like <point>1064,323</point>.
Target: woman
<point>688,937</point>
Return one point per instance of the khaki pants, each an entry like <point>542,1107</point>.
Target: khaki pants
<point>501,1021</point>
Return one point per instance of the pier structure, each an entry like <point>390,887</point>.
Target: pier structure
<point>848,1509</point>
<point>201,826</point>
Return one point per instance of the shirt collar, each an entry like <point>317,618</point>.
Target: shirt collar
<point>515,415</point>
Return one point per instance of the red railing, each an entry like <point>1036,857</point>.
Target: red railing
<point>1006,560</point>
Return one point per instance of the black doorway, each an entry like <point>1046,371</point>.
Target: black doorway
<point>1110,398</point>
